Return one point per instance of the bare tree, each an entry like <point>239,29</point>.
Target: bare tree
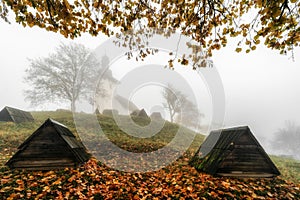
<point>287,139</point>
<point>181,110</point>
<point>189,115</point>
<point>69,74</point>
<point>174,100</point>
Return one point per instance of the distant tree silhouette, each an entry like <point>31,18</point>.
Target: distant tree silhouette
<point>180,109</point>
<point>287,139</point>
<point>69,74</point>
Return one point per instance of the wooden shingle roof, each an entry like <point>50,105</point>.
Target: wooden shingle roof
<point>234,152</point>
<point>51,146</point>
<point>15,115</point>
<point>156,115</point>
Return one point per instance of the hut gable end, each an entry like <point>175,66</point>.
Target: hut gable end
<point>51,146</point>
<point>234,152</point>
<point>5,116</point>
<point>45,143</point>
<point>9,114</point>
<point>156,116</point>
<point>142,113</point>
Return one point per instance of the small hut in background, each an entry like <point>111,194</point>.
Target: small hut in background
<point>8,114</point>
<point>134,113</point>
<point>139,113</point>
<point>51,146</point>
<point>233,152</point>
<point>143,114</point>
<point>156,116</point>
<point>110,112</point>
<point>97,112</point>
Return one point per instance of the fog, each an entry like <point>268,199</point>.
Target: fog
<point>261,88</point>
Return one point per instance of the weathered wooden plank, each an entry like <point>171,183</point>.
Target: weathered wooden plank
<point>236,150</point>
<point>245,169</point>
<point>247,175</point>
<point>47,148</point>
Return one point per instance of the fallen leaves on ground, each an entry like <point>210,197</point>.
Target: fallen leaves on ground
<point>178,181</point>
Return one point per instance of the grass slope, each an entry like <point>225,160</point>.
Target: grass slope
<point>96,181</point>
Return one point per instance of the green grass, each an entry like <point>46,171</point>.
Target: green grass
<point>12,135</point>
<point>289,168</point>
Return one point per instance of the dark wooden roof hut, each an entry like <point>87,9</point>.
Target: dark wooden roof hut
<point>51,146</point>
<point>8,114</point>
<point>233,152</point>
<point>134,113</point>
<point>139,113</point>
<point>156,116</point>
<point>143,113</point>
<point>110,112</point>
<point>97,112</point>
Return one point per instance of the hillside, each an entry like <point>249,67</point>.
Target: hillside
<point>96,180</point>
<point>12,135</point>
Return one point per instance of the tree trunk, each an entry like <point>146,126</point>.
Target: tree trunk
<point>172,113</point>
<point>73,106</point>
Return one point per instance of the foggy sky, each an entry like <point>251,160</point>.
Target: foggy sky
<point>261,88</point>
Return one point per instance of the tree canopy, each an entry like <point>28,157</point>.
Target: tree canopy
<point>208,22</point>
<point>69,74</point>
<point>175,100</point>
<point>287,140</point>
<point>181,109</point>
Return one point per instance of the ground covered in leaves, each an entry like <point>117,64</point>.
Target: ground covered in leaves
<point>95,180</point>
<point>178,181</point>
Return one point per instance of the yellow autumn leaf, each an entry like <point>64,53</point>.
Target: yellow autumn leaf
<point>238,50</point>
<point>57,182</point>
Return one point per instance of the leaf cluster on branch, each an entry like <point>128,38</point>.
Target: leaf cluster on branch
<point>208,22</point>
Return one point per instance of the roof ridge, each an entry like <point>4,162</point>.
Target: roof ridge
<point>232,128</point>
<point>56,122</point>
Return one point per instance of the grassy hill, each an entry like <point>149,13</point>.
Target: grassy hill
<point>95,180</point>
<point>12,135</point>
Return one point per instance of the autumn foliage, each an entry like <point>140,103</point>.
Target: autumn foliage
<point>208,23</point>
<point>179,181</point>
<point>94,180</point>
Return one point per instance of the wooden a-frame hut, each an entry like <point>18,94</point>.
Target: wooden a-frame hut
<point>140,113</point>
<point>233,152</point>
<point>8,114</point>
<point>156,116</point>
<point>51,146</point>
